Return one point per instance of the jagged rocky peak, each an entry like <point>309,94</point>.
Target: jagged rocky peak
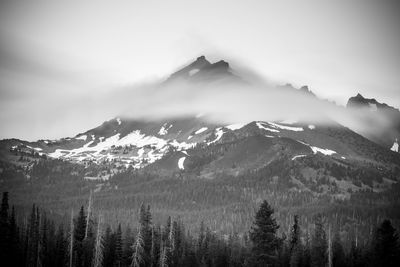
<point>202,68</point>
<point>200,62</point>
<point>306,90</point>
<point>360,101</point>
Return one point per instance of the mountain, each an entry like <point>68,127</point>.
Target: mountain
<point>379,121</point>
<point>197,168</point>
<point>201,70</point>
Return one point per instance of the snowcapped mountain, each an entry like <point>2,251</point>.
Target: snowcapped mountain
<point>201,70</point>
<point>196,147</point>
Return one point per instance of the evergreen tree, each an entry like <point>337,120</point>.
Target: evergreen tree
<point>128,247</point>
<point>296,250</point>
<point>306,256</point>
<point>109,248</point>
<point>118,247</point>
<point>338,255</point>
<point>138,257</point>
<point>61,248</point>
<point>145,230</point>
<point>264,238</point>
<point>79,235</point>
<point>155,246</point>
<point>4,230</point>
<point>354,256</point>
<point>32,238</point>
<point>43,244</point>
<point>386,246</point>
<point>14,245</point>
<point>319,245</point>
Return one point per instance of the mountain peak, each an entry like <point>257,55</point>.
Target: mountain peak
<point>359,96</point>
<point>202,69</point>
<point>201,58</point>
<point>306,90</point>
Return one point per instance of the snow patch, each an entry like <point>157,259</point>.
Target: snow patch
<point>164,129</point>
<point>219,132</point>
<point>82,137</point>
<point>283,127</point>
<point>181,146</point>
<point>395,147</point>
<point>201,130</point>
<point>298,156</point>
<point>311,127</point>
<point>316,149</point>
<point>262,127</point>
<point>236,126</point>
<point>119,121</point>
<point>324,151</point>
<point>180,163</point>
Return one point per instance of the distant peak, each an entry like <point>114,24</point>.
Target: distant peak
<point>221,63</point>
<point>306,90</point>
<point>359,95</point>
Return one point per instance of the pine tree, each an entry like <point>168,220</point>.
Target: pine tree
<point>386,246</point>
<point>61,247</point>
<point>4,230</point>
<point>128,246</point>
<point>296,250</point>
<point>145,230</point>
<point>155,246</point>
<point>201,243</point>
<point>79,235</point>
<point>109,247</point>
<point>118,247</point>
<point>71,240</point>
<point>33,238</point>
<point>14,244</point>
<point>319,245</point>
<point>338,256</point>
<point>43,248</point>
<point>138,250</point>
<point>264,238</point>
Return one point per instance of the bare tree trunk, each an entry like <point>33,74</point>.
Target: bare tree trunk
<point>88,214</point>
<point>356,237</point>
<point>98,253</point>
<point>329,248</point>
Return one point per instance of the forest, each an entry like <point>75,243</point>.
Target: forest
<point>37,240</point>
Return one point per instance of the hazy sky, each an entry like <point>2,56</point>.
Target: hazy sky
<point>59,59</point>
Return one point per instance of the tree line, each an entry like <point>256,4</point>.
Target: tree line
<point>38,241</point>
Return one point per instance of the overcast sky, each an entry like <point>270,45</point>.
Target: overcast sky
<point>57,58</point>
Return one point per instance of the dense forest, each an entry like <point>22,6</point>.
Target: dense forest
<point>86,240</point>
